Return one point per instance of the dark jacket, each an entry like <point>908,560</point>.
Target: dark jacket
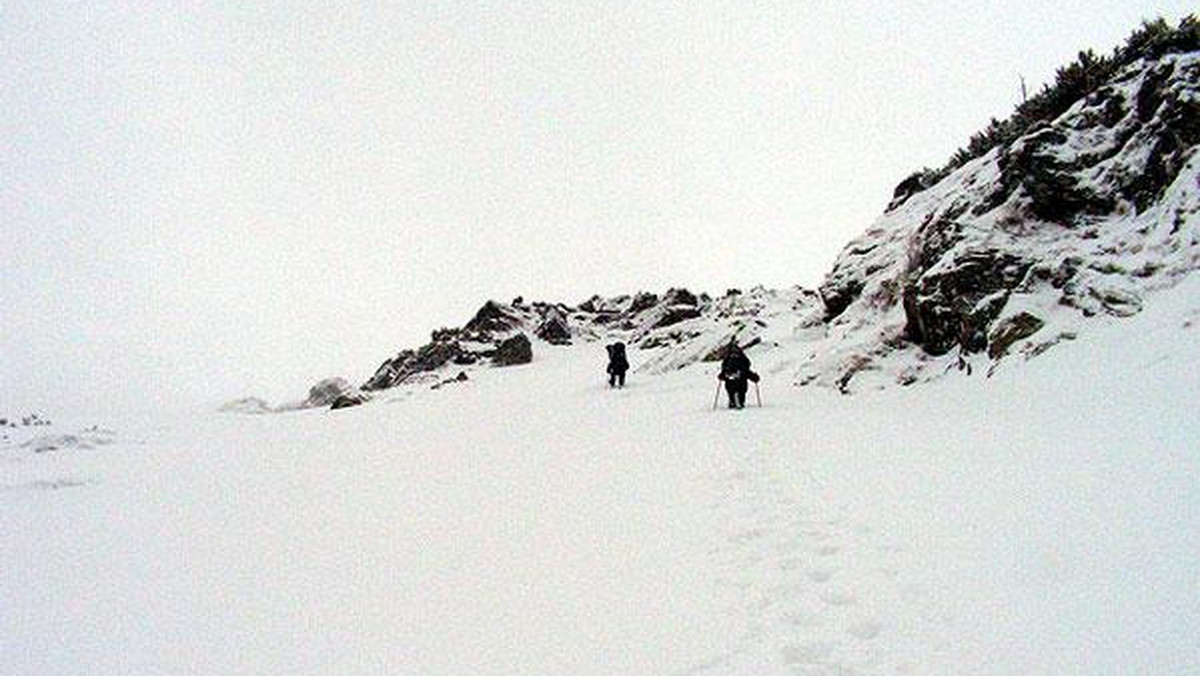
<point>735,369</point>
<point>617,363</point>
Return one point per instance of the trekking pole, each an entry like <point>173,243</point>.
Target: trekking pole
<point>757,394</point>
<point>717,395</point>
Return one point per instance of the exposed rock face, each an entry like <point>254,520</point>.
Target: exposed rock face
<point>953,305</point>
<point>555,328</point>
<point>513,351</point>
<point>1088,212</point>
<point>493,318</point>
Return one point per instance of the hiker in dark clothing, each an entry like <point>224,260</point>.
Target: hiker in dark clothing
<point>736,373</point>
<point>617,364</point>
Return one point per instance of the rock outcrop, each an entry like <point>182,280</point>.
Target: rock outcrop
<point>1080,217</point>
<point>325,392</point>
<point>477,342</point>
<point>670,330</point>
<point>349,400</point>
<point>555,328</point>
<point>513,351</point>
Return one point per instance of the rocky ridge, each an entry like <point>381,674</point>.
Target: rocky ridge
<point>670,331</point>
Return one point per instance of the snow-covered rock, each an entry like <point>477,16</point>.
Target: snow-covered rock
<point>669,331</point>
<point>1084,216</point>
<point>555,328</point>
<point>87,439</point>
<point>513,351</point>
<point>333,393</point>
<point>327,391</point>
<point>246,405</point>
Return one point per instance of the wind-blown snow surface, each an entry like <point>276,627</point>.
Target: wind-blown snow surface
<point>530,521</point>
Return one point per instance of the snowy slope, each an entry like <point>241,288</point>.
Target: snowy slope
<point>1045,523</point>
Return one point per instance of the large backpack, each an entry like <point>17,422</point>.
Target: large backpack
<point>616,357</point>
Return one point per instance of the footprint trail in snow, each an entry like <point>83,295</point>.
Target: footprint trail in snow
<point>817,593</point>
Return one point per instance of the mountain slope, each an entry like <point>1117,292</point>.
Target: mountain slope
<point>1085,216</point>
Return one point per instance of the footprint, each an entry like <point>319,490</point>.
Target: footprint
<point>865,630</point>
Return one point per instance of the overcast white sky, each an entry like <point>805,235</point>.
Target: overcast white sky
<point>206,200</point>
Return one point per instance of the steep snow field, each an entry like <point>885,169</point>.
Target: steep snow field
<point>531,521</point>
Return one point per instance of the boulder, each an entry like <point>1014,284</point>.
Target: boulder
<point>916,182</point>
<point>1017,327</point>
<point>327,391</point>
<point>462,377</point>
<point>513,351</point>
<point>348,400</point>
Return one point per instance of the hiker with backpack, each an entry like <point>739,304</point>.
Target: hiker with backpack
<point>617,364</point>
<point>736,374</point>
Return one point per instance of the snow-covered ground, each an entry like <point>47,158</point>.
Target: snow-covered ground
<point>531,521</point>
